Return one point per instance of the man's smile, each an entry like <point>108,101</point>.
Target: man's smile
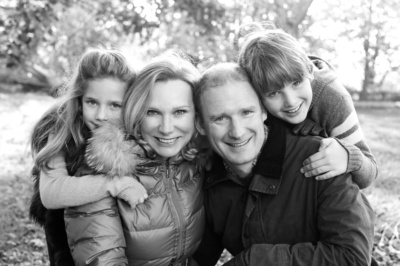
<point>237,145</point>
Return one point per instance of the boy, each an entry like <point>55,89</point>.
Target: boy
<point>305,92</point>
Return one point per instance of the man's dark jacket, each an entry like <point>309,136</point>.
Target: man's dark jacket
<point>281,217</point>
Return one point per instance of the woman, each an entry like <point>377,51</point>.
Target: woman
<point>158,113</point>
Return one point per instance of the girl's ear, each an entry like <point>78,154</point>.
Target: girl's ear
<point>200,125</point>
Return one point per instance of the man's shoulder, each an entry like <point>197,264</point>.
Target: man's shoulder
<point>306,143</point>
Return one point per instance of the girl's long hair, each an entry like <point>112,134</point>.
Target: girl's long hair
<point>61,128</point>
<point>171,66</point>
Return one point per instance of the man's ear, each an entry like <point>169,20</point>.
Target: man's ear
<point>264,115</point>
<point>200,125</point>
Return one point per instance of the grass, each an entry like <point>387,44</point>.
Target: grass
<point>23,243</point>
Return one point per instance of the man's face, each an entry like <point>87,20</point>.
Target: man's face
<point>233,120</point>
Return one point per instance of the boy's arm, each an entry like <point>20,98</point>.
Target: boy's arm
<point>59,190</point>
<point>362,165</point>
<point>342,124</point>
<point>347,130</point>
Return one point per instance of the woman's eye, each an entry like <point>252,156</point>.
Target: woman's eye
<point>151,112</point>
<point>180,112</point>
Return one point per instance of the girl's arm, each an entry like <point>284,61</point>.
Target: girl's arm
<point>59,190</point>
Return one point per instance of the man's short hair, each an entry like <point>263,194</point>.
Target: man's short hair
<point>215,76</point>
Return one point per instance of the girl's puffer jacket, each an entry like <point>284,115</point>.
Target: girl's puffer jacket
<point>164,230</point>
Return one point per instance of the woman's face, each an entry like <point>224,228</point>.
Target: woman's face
<point>169,123</point>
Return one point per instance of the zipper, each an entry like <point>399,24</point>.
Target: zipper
<point>177,212</point>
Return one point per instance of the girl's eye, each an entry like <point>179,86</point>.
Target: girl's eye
<point>91,102</point>
<point>116,105</point>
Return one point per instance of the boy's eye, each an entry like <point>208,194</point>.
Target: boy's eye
<point>297,82</point>
<point>273,94</point>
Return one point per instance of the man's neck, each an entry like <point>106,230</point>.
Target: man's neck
<point>242,170</point>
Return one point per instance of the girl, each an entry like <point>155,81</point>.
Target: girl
<point>305,91</point>
<point>158,113</point>
<point>93,95</point>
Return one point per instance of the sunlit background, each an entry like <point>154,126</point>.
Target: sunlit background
<point>41,41</point>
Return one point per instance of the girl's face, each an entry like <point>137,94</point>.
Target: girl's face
<point>102,101</point>
<point>169,123</point>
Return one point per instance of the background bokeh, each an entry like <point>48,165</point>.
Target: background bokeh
<point>41,41</point>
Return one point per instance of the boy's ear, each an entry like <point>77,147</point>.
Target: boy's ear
<point>200,125</point>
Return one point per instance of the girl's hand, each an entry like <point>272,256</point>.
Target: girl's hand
<point>331,160</point>
<point>130,190</point>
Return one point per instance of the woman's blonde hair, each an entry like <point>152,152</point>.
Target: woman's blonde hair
<point>173,65</point>
<point>61,128</point>
<point>271,57</point>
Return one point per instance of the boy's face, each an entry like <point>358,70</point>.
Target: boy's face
<point>290,103</point>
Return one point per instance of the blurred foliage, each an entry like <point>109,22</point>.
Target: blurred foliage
<point>43,38</point>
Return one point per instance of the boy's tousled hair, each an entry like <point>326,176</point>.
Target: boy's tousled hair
<point>215,76</point>
<point>271,57</point>
<point>172,65</point>
<point>61,128</point>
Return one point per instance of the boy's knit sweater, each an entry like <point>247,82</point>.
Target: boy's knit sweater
<point>332,108</point>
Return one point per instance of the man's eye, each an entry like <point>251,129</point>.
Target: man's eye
<point>248,112</point>
<point>220,119</point>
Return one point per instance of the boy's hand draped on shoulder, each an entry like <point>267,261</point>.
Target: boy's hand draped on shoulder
<point>110,152</point>
<point>331,160</point>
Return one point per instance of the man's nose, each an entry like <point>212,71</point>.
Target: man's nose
<point>237,128</point>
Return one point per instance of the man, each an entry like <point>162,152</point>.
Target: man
<point>258,204</point>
